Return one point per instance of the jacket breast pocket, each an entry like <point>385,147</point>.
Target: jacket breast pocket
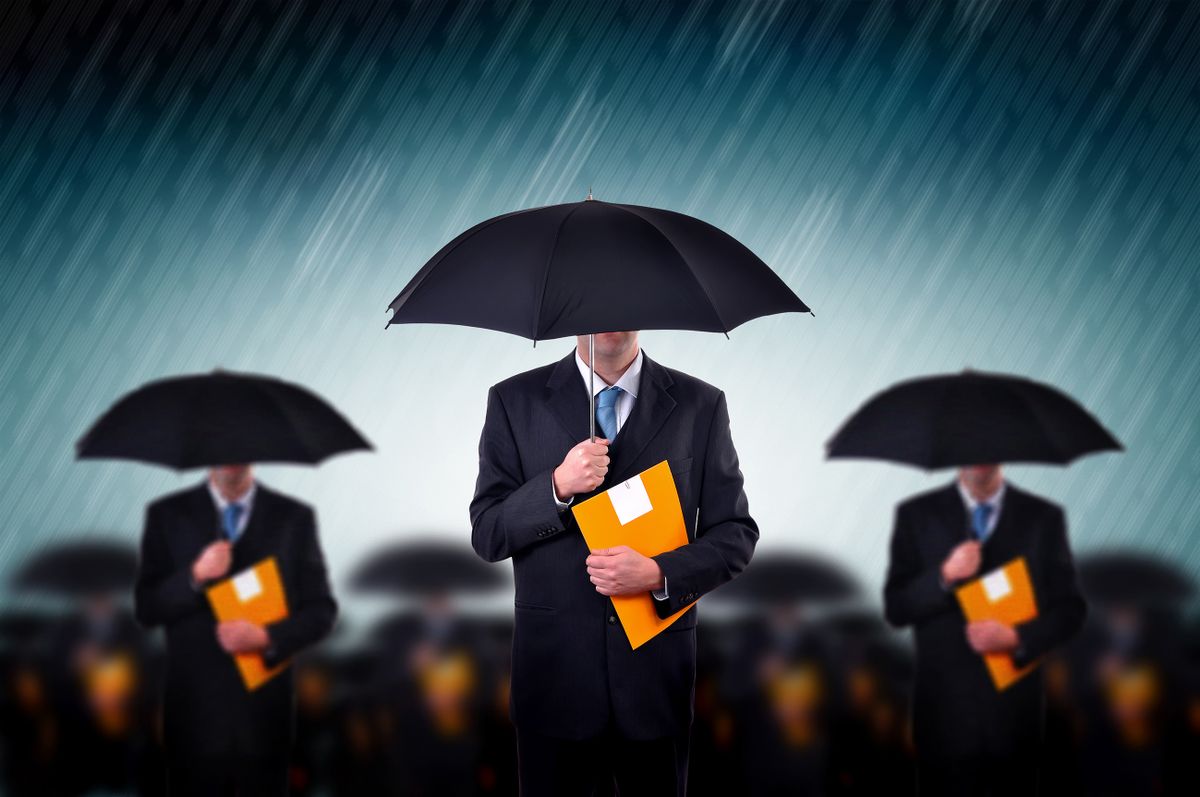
<point>535,608</point>
<point>681,472</point>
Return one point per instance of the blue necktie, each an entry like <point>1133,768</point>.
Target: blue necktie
<point>981,516</point>
<point>606,411</point>
<point>233,514</point>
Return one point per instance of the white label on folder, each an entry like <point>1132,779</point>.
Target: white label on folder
<point>246,585</point>
<point>630,500</point>
<point>996,586</point>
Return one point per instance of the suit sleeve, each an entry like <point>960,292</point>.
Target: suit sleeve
<point>163,592</point>
<point>311,602</point>
<point>913,591</point>
<point>725,532</point>
<point>1061,608</point>
<point>508,513</point>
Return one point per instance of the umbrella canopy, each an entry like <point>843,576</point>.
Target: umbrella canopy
<point>80,569</point>
<point>1126,578</point>
<point>972,418</point>
<point>221,418</point>
<point>591,266</point>
<point>587,267</point>
<point>428,568</point>
<point>789,578</point>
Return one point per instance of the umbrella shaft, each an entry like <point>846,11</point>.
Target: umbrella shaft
<point>592,383</point>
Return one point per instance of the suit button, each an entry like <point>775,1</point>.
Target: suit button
<point>612,619</point>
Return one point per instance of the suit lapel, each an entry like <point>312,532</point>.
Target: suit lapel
<point>954,513</point>
<point>651,409</point>
<point>1003,543</point>
<point>567,398</point>
<point>203,516</point>
<point>249,544</point>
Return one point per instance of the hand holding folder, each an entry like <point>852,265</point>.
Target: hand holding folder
<point>255,595</point>
<point>643,513</point>
<point>1005,595</point>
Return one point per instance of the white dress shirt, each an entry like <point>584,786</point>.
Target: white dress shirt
<point>995,500</point>
<point>246,499</point>
<point>629,383</point>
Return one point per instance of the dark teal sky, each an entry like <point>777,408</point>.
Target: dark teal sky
<point>1003,185</point>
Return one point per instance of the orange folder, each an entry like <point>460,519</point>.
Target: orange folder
<point>642,512</point>
<point>256,595</point>
<point>1004,595</point>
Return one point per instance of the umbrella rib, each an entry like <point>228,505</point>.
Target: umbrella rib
<point>537,318</point>
<point>285,413</point>
<point>428,268</point>
<point>682,259</point>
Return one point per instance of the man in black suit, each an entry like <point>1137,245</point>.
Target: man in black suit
<point>587,707</point>
<point>221,738</point>
<point>970,738</point>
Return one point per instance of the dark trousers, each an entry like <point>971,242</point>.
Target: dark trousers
<point>601,766</point>
<point>227,776</point>
<point>982,775</point>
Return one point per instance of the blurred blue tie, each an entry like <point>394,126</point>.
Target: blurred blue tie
<point>233,514</point>
<point>982,514</point>
<point>606,411</point>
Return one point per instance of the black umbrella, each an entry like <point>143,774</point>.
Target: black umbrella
<point>971,418</point>
<point>427,568</point>
<point>587,267</point>
<point>80,568</point>
<point>1128,578</point>
<point>221,418</point>
<point>787,578</point>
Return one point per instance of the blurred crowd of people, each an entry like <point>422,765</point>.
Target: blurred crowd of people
<point>795,694</point>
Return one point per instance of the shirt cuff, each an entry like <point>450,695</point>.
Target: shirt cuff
<point>554,494</point>
<point>661,594</point>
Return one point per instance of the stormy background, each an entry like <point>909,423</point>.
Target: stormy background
<point>1005,186</point>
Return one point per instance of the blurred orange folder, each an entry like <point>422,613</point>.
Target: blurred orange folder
<point>642,512</point>
<point>1004,595</point>
<point>256,595</point>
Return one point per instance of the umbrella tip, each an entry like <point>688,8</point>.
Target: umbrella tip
<point>589,196</point>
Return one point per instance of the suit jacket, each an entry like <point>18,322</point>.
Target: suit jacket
<point>956,708</point>
<point>573,668</point>
<point>207,709</point>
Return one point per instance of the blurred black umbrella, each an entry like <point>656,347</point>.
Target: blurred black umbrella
<point>970,418</point>
<point>80,568</point>
<point>586,267</point>
<point>220,418</point>
<point>1123,578</point>
<point>427,568</point>
<point>787,578</point>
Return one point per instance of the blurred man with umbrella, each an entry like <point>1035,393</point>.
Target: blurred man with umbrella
<point>222,738</point>
<point>782,685</point>
<point>97,662</point>
<point>972,738</point>
<point>1129,677</point>
<point>589,709</point>
<point>29,726</point>
<point>439,680</point>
